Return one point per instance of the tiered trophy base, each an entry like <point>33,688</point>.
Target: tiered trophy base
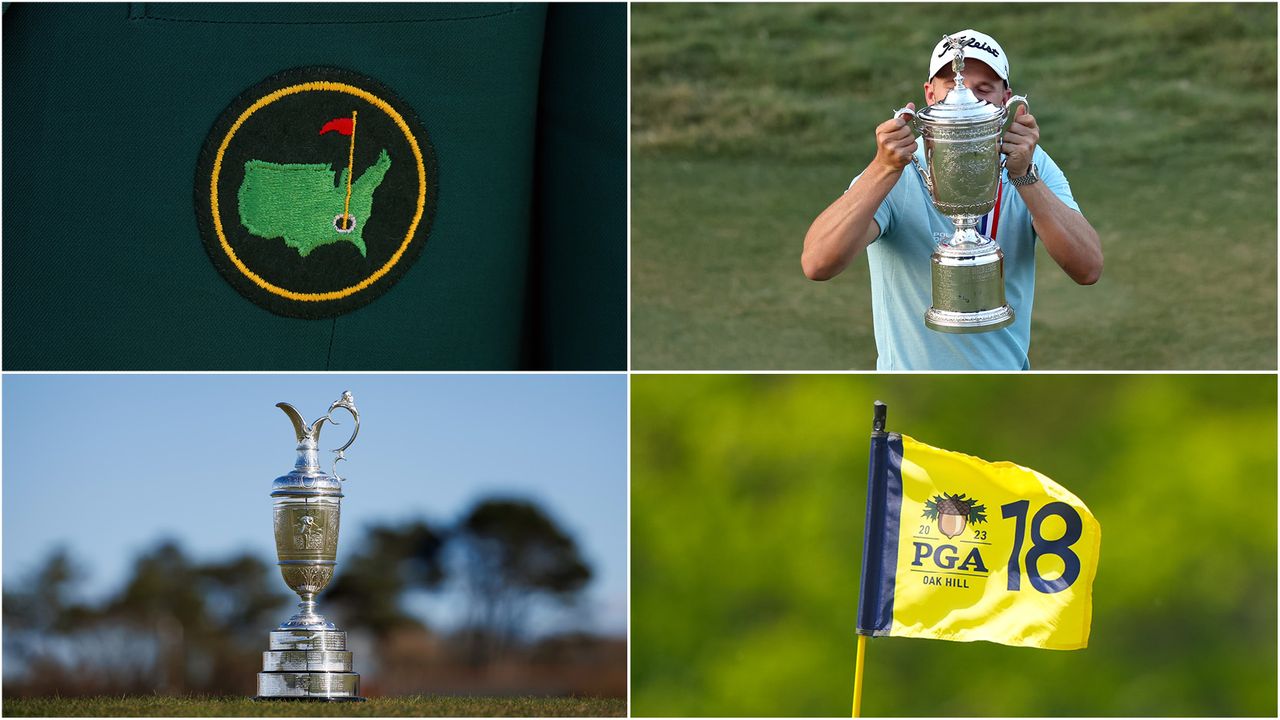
<point>308,665</point>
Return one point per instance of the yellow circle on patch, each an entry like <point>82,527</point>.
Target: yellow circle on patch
<point>320,86</point>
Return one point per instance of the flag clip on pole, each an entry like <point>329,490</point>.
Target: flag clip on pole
<point>873,537</point>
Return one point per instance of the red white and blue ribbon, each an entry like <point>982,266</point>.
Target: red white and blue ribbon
<point>992,219</point>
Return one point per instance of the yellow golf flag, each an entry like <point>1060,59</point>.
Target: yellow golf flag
<point>958,548</point>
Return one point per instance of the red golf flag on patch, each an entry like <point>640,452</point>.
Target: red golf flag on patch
<point>343,125</point>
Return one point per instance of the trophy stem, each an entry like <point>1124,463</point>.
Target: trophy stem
<point>966,241</point>
<point>307,608</point>
<point>307,618</point>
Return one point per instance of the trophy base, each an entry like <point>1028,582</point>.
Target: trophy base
<point>968,286</point>
<point>308,665</point>
<point>308,640</point>
<point>308,685</point>
<point>306,661</point>
<point>948,321</point>
<point>259,698</point>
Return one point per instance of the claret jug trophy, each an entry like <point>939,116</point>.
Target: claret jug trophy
<point>962,151</point>
<point>307,657</point>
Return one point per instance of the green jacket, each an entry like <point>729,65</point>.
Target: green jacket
<point>106,110</point>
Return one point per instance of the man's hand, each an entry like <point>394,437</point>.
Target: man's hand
<point>1020,143</point>
<point>894,143</point>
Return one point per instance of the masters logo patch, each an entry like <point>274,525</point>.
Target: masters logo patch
<point>315,191</point>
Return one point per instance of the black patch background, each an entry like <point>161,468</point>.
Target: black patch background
<point>288,131</point>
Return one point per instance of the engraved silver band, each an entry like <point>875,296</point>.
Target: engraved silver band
<point>306,661</point>
<point>315,640</point>
<point>307,684</point>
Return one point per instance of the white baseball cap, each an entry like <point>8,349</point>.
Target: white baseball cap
<point>977,46</point>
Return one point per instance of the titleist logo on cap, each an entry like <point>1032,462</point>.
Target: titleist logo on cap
<point>970,42</point>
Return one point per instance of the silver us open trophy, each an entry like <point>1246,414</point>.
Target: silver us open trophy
<point>308,657</point>
<point>962,149</point>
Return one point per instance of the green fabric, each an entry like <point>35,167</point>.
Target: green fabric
<point>580,204</point>
<point>107,107</point>
<point>299,202</point>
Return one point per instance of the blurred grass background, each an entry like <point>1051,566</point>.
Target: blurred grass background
<point>413,706</point>
<point>748,500</point>
<point>749,119</point>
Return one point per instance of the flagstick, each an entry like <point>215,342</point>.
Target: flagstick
<point>857,676</point>
<point>351,163</point>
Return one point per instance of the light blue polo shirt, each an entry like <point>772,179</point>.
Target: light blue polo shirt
<point>901,285</point>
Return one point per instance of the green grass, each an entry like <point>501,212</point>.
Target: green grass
<point>410,706</point>
<point>748,120</point>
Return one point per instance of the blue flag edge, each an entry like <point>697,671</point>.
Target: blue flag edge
<point>880,535</point>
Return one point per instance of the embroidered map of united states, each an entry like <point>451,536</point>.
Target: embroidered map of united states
<point>301,203</point>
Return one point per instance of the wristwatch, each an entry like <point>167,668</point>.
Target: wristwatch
<point>1031,178</point>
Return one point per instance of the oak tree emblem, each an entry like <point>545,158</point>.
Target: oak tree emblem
<point>954,512</point>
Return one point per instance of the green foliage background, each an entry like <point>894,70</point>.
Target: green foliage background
<point>749,119</point>
<point>748,502</point>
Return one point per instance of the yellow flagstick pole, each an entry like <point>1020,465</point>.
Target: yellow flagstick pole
<point>351,162</point>
<point>857,676</point>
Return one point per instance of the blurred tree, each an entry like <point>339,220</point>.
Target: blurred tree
<point>243,596</point>
<point>47,606</point>
<point>393,561</point>
<point>163,598</point>
<point>44,609</point>
<point>514,555</point>
<point>175,626</point>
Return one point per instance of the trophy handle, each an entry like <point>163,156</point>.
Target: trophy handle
<point>909,115</point>
<point>1011,111</point>
<point>348,403</point>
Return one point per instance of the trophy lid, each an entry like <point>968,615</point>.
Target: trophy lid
<point>306,481</point>
<point>306,478</point>
<point>960,106</point>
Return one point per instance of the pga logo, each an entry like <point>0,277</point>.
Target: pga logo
<point>951,514</point>
<point>945,557</point>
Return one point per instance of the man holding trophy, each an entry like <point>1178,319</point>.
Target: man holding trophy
<point>957,234</point>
